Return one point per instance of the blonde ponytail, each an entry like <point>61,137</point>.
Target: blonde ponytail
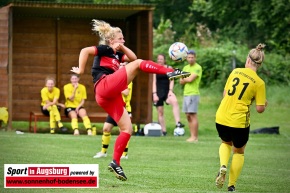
<point>105,31</point>
<point>257,54</point>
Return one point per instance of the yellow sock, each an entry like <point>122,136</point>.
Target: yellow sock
<point>74,123</point>
<point>126,150</point>
<point>87,122</point>
<point>224,153</point>
<point>106,138</point>
<point>236,168</point>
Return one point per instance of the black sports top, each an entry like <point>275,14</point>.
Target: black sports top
<point>106,61</point>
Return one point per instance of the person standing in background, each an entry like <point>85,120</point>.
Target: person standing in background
<point>162,91</point>
<point>191,94</point>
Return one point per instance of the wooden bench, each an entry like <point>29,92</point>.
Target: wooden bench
<point>35,116</point>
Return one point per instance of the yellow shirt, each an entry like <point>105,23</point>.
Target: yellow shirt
<point>80,94</point>
<point>127,99</point>
<point>242,88</point>
<point>49,96</point>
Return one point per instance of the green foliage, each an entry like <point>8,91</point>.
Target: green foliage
<point>272,19</point>
<point>276,69</point>
<point>216,28</point>
<point>216,62</point>
<point>163,34</point>
<point>248,22</point>
<point>219,58</point>
<point>174,10</point>
<point>163,38</point>
<point>117,1</point>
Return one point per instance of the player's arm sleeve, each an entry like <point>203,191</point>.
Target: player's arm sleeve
<point>66,92</point>
<point>261,95</point>
<point>44,97</point>
<point>57,94</point>
<point>96,50</point>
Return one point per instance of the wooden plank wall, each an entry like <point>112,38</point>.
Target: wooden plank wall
<point>50,47</point>
<point>4,53</point>
<point>141,44</point>
<point>46,47</point>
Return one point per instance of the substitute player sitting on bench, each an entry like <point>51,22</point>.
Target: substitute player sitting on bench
<point>75,96</point>
<point>49,104</point>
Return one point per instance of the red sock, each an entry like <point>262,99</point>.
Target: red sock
<point>152,67</point>
<point>120,145</point>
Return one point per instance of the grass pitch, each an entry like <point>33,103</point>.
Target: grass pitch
<point>155,164</point>
<point>167,164</point>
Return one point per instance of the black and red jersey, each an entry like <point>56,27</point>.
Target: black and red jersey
<point>106,61</point>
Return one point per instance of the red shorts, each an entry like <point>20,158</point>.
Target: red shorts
<point>108,93</point>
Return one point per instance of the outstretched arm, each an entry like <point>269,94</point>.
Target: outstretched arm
<point>83,58</point>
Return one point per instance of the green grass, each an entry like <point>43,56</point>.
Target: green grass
<point>167,164</point>
<point>155,164</point>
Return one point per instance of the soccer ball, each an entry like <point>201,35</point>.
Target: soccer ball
<point>178,131</point>
<point>178,52</point>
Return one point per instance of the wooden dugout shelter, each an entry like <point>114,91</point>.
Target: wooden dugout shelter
<point>45,39</point>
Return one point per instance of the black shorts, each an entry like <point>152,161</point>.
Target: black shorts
<point>46,112</point>
<point>239,136</point>
<point>109,119</point>
<point>69,109</point>
<point>162,95</point>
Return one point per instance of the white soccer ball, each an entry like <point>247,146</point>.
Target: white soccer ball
<point>178,51</point>
<point>178,131</point>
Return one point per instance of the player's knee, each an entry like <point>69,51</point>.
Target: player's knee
<point>126,129</point>
<point>107,128</point>
<point>72,114</point>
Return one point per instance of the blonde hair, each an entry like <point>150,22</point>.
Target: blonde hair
<point>105,31</point>
<point>257,55</point>
<point>74,74</point>
<point>49,78</point>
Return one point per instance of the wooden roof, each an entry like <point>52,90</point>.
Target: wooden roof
<point>78,10</point>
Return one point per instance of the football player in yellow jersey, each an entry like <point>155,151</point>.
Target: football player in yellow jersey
<point>75,96</point>
<point>110,123</point>
<point>49,104</point>
<point>127,96</point>
<point>243,86</point>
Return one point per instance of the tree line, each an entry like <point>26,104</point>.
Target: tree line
<point>221,32</point>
